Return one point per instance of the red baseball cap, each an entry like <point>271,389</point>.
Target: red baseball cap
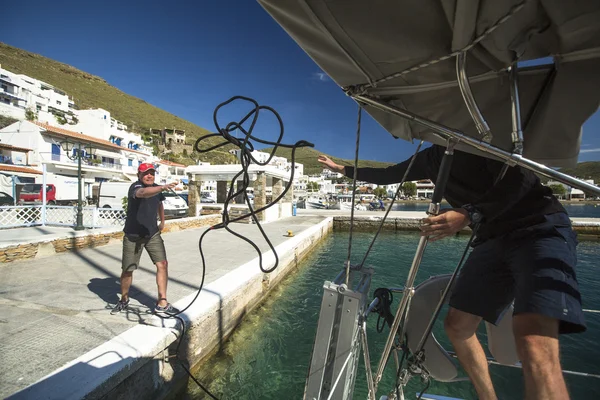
<point>145,167</point>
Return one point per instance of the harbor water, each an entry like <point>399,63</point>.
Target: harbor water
<point>267,357</point>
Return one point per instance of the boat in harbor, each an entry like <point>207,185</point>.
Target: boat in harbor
<point>345,203</point>
<point>319,202</point>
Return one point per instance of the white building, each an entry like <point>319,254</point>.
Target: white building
<point>298,169</point>
<point>14,168</point>
<point>99,123</point>
<point>391,189</point>
<point>328,174</point>
<point>21,93</point>
<point>281,163</point>
<point>425,188</point>
<point>102,159</point>
<point>169,171</point>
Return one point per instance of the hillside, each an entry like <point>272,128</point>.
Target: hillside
<point>585,170</point>
<point>90,91</point>
<point>308,157</point>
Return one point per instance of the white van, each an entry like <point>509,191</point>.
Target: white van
<point>112,194</point>
<point>175,206</point>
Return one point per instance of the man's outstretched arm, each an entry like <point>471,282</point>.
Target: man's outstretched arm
<point>146,192</point>
<point>425,161</point>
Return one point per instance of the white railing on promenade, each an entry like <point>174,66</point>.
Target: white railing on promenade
<point>24,216</point>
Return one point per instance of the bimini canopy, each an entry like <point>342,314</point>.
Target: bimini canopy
<point>393,50</point>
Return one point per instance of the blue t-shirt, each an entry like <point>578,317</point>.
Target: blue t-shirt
<point>141,213</point>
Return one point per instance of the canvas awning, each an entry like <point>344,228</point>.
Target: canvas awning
<point>361,44</point>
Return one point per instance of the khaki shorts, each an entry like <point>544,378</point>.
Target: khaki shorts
<point>132,250</point>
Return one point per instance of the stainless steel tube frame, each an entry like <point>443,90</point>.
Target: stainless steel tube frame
<point>465,89</point>
<point>511,159</point>
<point>408,293</point>
<point>517,133</point>
<point>367,359</point>
<point>438,194</point>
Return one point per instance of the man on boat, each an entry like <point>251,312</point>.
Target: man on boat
<point>144,204</point>
<point>524,251</point>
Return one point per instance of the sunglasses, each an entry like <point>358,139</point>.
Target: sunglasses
<point>151,172</point>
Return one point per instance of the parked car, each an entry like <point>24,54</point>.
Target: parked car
<point>6,199</point>
<point>206,197</point>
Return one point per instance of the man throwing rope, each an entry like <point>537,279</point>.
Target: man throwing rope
<point>144,204</point>
<point>524,251</point>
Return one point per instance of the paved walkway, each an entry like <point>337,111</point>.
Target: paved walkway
<point>55,309</point>
<point>38,233</point>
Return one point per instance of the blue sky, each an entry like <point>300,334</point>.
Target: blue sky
<point>188,56</point>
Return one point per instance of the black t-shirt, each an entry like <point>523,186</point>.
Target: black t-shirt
<point>516,201</point>
<point>141,212</point>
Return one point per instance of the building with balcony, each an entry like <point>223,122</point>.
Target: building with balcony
<point>425,188</point>
<point>99,124</point>
<point>328,174</point>
<point>169,171</point>
<point>20,93</point>
<point>101,159</point>
<point>167,136</point>
<point>15,168</point>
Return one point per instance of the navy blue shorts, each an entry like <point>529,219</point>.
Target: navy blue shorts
<point>533,266</point>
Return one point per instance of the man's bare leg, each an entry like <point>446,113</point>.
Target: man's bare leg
<point>461,328</point>
<point>537,344</point>
<point>162,277</point>
<point>126,280</point>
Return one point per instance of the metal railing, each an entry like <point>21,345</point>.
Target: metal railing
<point>25,216</point>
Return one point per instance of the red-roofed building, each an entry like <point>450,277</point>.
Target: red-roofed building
<point>102,160</point>
<point>99,124</point>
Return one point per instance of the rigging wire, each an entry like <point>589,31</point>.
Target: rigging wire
<point>246,148</point>
<point>358,124</point>
<point>412,160</point>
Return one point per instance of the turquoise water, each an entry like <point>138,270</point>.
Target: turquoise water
<point>574,209</point>
<point>268,355</point>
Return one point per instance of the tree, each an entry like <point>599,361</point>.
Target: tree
<point>558,190</point>
<point>380,192</point>
<point>60,119</point>
<point>30,115</point>
<point>314,186</point>
<point>409,189</point>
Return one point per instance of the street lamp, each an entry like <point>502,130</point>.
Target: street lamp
<point>68,147</point>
